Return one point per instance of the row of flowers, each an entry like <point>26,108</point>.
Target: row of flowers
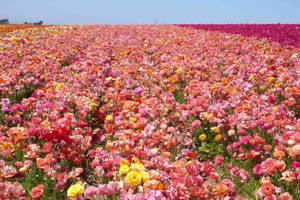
<point>147,112</point>
<point>285,34</point>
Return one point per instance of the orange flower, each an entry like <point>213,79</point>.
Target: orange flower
<point>171,79</point>
<point>220,189</point>
<point>280,155</point>
<point>149,71</point>
<point>267,189</point>
<point>19,138</point>
<point>171,88</point>
<point>224,82</point>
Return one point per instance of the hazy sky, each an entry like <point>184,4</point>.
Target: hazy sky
<point>150,11</point>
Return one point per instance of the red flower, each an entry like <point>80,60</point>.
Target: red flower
<point>58,135</point>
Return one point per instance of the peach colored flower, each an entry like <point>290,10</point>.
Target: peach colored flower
<point>220,189</point>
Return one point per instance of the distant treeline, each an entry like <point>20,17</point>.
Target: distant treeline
<point>6,21</point>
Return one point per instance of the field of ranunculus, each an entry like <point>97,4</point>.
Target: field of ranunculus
<point>285,34</point>
<point>147,112</point>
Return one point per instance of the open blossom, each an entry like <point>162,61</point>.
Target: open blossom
<point>218,160</point>
<point>257,170</point>
<point>75,190</point>
<point>220,189</point>
<point>288,176</point>
<point>267,189</point>
<point>37,192</point>
<point>134,178</point>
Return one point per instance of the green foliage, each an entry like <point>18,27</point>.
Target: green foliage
<point>179,96</point>
<point>19,95</point>
<point>36,176</point>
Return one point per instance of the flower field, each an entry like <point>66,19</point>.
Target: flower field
<point>148,112</point>
<point>285,34</point>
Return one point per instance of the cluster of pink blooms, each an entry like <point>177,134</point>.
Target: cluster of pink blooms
<point>285,34</point>
<point>105,100</point>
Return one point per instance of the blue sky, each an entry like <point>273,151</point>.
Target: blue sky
<point>151,11</point>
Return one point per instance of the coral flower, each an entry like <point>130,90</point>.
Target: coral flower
<point>267,189</point>
<point>37,192</point>
<point>285,196</point>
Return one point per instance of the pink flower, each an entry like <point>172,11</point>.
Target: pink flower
<point>36,120</point>
<point>268,166</point>
<point>178,191</point>
<point>90,191</point>
<point>195,125</point>
<point>138,91</point>
<point>193,169</point>
<point>218,160</point>
<point>244,176</point>
<point>230,184</point>
<point>257,170</point>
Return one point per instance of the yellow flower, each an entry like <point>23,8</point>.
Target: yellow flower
<point>215,129</point>
<point>275,109</point>
<point>124,169</point>
<point>271,79</point>
<point>202,137</point>
<point>132,119</point>
<point>93,106</point>
<point>75,190</point>
<point>133,178</point>
<point>137,166</point>
<point>19,145</point>
<point>4,146</point>
<point>109,118</point>
<point>251,77</point>
<point>58,86</point>
<point>135,160</point>
<point>125,162</point>
<point>218,137</point>
<point>206,115</point>
<point>145,176</point>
